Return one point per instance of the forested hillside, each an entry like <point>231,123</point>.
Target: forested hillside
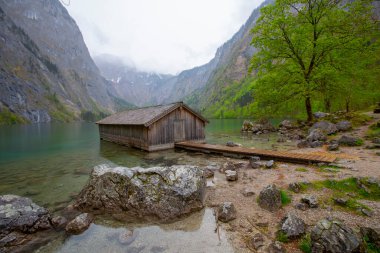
<point>343,61</point>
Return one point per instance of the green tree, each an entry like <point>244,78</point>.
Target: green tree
<point>306,48</point>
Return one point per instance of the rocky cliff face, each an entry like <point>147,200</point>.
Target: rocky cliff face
<point>46,71</point>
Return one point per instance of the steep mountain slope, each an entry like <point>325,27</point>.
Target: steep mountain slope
<point>142,88</point>
<point>202,87</point>
<point>46,71</point>
<point>232,68</point>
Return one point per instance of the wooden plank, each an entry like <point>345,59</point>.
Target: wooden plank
<point>266,154</point>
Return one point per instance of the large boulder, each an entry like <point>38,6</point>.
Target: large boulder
<point>162,193</point>
<point>316,135</point>
<point>293,226</point>
<point>334,237</point>
<point>343,125</point>
<point>326,127</point>
<point>20,219</point>
<point>270,198</point>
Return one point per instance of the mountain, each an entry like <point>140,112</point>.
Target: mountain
<point>46,71</point>
<point>202,87</point>
<point>143,88</point>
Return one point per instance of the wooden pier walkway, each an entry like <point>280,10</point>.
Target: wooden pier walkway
<point>242,152</point>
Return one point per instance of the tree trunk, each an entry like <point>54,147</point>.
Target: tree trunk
<point>347,105</point>
<point>308,109</point>
<point>328,104</point>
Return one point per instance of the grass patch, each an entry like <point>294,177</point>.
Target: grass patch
<point>361,188</point>
<point>359,142</point>
<point>9,118</point>
<point>302,170</point>
<point>282,237</point>
<point>370,247</point>
<point>305,244</point>
<point>353,205</point>
<point>285,198</point>
<point>374,130</point>
<point>328,169</point>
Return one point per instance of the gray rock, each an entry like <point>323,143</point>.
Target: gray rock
<point>333,147</point>
<point>269,164</point>
<point>248,192</point>
<point>257,241</point>
<point>276,247</point>
<point>376,140</point>
<point>59,222</point>
<point>293,226</point>
<point>340,201</point>
<point>343,125</point>
<point>79,223</point>
<point>231,175</point>
<point>334,237</point>
<point>366,212</point>
<point>316,135</point>
<point>20,221</point>
<point>208,173</point>
<point>126,237</point>
<point>310,200</point>
<point>301,206</point>
<point>287,124</point>
<point>303,144</point>
<point>295,187</point>
<point>162,193</point>
<point>326,127</point>
<point>226,212</point>
<point>254,161</point>
<point>316,144</point>
<point>270,198</point>
<point>320,115</point>
<point>349,141</point>
<point>233,144</point>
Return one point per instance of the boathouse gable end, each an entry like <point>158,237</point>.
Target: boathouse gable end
<point>154,128</point>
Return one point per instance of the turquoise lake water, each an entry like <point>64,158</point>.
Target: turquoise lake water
<point>50,163</point>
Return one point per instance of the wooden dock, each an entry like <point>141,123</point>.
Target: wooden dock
<point>241,152</point>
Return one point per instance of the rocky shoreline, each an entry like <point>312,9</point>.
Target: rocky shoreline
<point>264,206</point>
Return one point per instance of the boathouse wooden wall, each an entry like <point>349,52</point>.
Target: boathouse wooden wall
<point>131,135</point>
<point>159,135</point>
<point>162,131</point>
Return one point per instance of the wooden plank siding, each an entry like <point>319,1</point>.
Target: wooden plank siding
<point>131,135</point>
<point>160,134</point>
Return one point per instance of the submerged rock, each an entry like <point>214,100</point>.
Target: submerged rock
<point>79,224</point>
<point>162,193</point>
<point>257,241</point>
<point>20,219</point>
<point>270,198</point>
<point>334,237</point>
<point>226,212</point>
<point>316,135</point>
<point>233,144</point>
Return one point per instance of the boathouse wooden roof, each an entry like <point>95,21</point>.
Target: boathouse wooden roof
<point>146,115</point>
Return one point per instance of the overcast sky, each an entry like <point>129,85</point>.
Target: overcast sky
<point>163,36</point>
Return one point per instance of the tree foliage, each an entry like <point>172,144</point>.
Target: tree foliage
<point>315,51</point>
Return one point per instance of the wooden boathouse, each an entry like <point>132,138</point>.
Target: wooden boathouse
<point>154,128</point>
